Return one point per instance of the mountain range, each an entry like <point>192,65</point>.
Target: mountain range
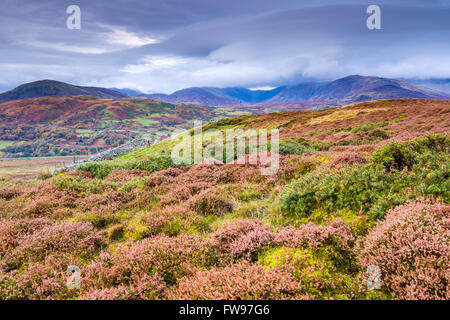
<point>213,96</point>
<point>342,91</point>
<point>349,89</point>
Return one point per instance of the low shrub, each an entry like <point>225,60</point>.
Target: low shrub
<point>82,186</point>
<point>150,164</point>
<point>433,143</point>
<point>286,147</point>
<point>249,245</point>
<point>143,287</point>
<point>8,192</point>
<point>13,232</point>
<point>126,175</point>
<point>76,239</point>
<point>345,159</point>
<point>98,169</point>
<point>210,202</point>
<point>170,220</point>
<point>367,189</point>
<point>182,192</point>
<point>411,247</point>
<point>40,207</point>
<point>168,257</point>
<point>398,155</point>
<point>337,234</point>
<point>39,280</point>
<point>241,281</point>
<point>394,156</point>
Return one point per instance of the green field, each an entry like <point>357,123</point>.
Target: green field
<point>145,121</point>
<point>5,143</point>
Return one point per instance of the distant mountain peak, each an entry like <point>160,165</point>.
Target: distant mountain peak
<point>48,88</point>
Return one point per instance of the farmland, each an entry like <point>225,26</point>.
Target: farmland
<point>61,126</point>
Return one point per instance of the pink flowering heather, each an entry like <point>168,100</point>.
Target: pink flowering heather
<point>40,280</point>
<point>41,206</point>
<point>9,192</point>
<point>411,247</point>
<point>288,164</point>
<point>336,239</point>
<point>76,239</point>
<point>91,201</point>
<point>172,172</point>
<point>194,174</point>
<point>310,235</point>
<point>179,184</point>
<point>183,192</point>
<point>156,180</point>
<point>13,232</point>
<point>239,281</point>
<point>144,286</point>
<point>242,239</point>
<point>345,159</point>
<point>170,220</point>
<point>169,257</point>
<point>210,201</point>
<point>249,245</point>
<point>120,292</point>
<point>226,235</point>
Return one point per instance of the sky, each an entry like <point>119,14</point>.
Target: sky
<point>166,45</point>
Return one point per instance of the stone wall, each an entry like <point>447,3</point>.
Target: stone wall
<point>109,154</point>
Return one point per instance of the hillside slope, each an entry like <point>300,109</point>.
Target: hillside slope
<point>50,126</point>
<point>357,124</point>
<point>84,124</point>
<point>45,88</point>
<point>363,185</point>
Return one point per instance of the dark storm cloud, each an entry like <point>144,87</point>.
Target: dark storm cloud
<point>164,45</point>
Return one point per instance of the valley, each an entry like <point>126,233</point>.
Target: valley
<point>51,118</point>
<point>81,125</point>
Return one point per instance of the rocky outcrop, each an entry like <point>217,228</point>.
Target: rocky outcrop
<point>109,154</point>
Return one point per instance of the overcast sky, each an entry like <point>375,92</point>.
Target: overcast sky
<point>166,45</point>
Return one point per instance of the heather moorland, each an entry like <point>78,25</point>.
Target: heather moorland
<point>357,186</point>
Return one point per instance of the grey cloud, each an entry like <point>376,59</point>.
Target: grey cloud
<point>248,43</point>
